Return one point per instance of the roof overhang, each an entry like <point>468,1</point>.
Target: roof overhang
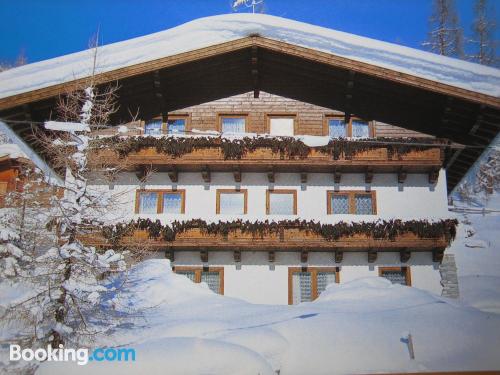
<point>257,63</point>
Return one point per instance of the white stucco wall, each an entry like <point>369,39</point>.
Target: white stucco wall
<point>258,281</point>
<point>416,198</point>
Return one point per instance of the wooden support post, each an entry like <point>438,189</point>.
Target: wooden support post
<point>401,176</point>
<point>237,256</point>
<point>173,175</point>
<point>143,171</point>
<point>169,254</point>
<point>433,176</point>
<point>270,175</point>
<point>303,256</point>
<point>282,235</point>
<point>205,174</point>
<point>339,256</point>
<point>303,178</point>
<point>204,256</point>
<point>271,256</point>
<point>404,255</point>
<point>254,61</point>
<point>372,255</point>
<point>368,176</point>
<point>159,94</point>
<point>237,174</point>
<point>349,93</point>
<point>337,176</point>
<point>437,255</point>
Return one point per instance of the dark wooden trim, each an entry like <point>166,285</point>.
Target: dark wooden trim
<point>231,191</point>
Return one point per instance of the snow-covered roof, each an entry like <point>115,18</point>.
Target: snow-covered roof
<point>12,151</point>
<point>210,31</point>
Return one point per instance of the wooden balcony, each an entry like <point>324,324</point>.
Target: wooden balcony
<point>377,158</point>
<point>284,239</point>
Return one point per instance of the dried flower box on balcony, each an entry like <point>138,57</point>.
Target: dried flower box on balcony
<point>264,154</point>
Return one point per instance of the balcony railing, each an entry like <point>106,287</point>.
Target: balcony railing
<point>197,235</point>
<point>272,154</point>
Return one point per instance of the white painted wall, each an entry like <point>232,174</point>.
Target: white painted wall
<point>258,281</point>
<point>416,198</point>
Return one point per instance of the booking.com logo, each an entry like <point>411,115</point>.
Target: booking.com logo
<point>80,356</point>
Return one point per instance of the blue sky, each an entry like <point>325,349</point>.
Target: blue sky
<point>49,28</point>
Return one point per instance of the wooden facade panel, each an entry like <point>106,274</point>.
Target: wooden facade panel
<point>309,117</point>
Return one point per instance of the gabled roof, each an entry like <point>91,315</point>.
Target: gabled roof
<point>212,31</point>
<point>217,57</point>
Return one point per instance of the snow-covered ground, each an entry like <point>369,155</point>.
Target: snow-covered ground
<point>357,327</point>
<point>477,253</point>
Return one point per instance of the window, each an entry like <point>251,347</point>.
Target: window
<point>231,202</point>
<point>281,202</point>
<point>351,202</point>
<point>396,275</point>
<point>172,203</point>
<point>336,127</point>
<point>282,126</point>
<point>307,283</point>
<point>232,124</point>
<point>213,276</point>
<point>360,129</point>
<point>176,125</point>
<point>153,127</point>
<point>160,201</point>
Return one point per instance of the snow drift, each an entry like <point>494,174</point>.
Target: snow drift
<point>356,327</point>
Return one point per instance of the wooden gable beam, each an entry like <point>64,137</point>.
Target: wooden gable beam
<point>255,71</point>
<point>349,93</point>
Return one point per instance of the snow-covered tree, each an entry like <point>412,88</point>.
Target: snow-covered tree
<point>483,35</point>
<point>446,36</point>
<point>57,281</point>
